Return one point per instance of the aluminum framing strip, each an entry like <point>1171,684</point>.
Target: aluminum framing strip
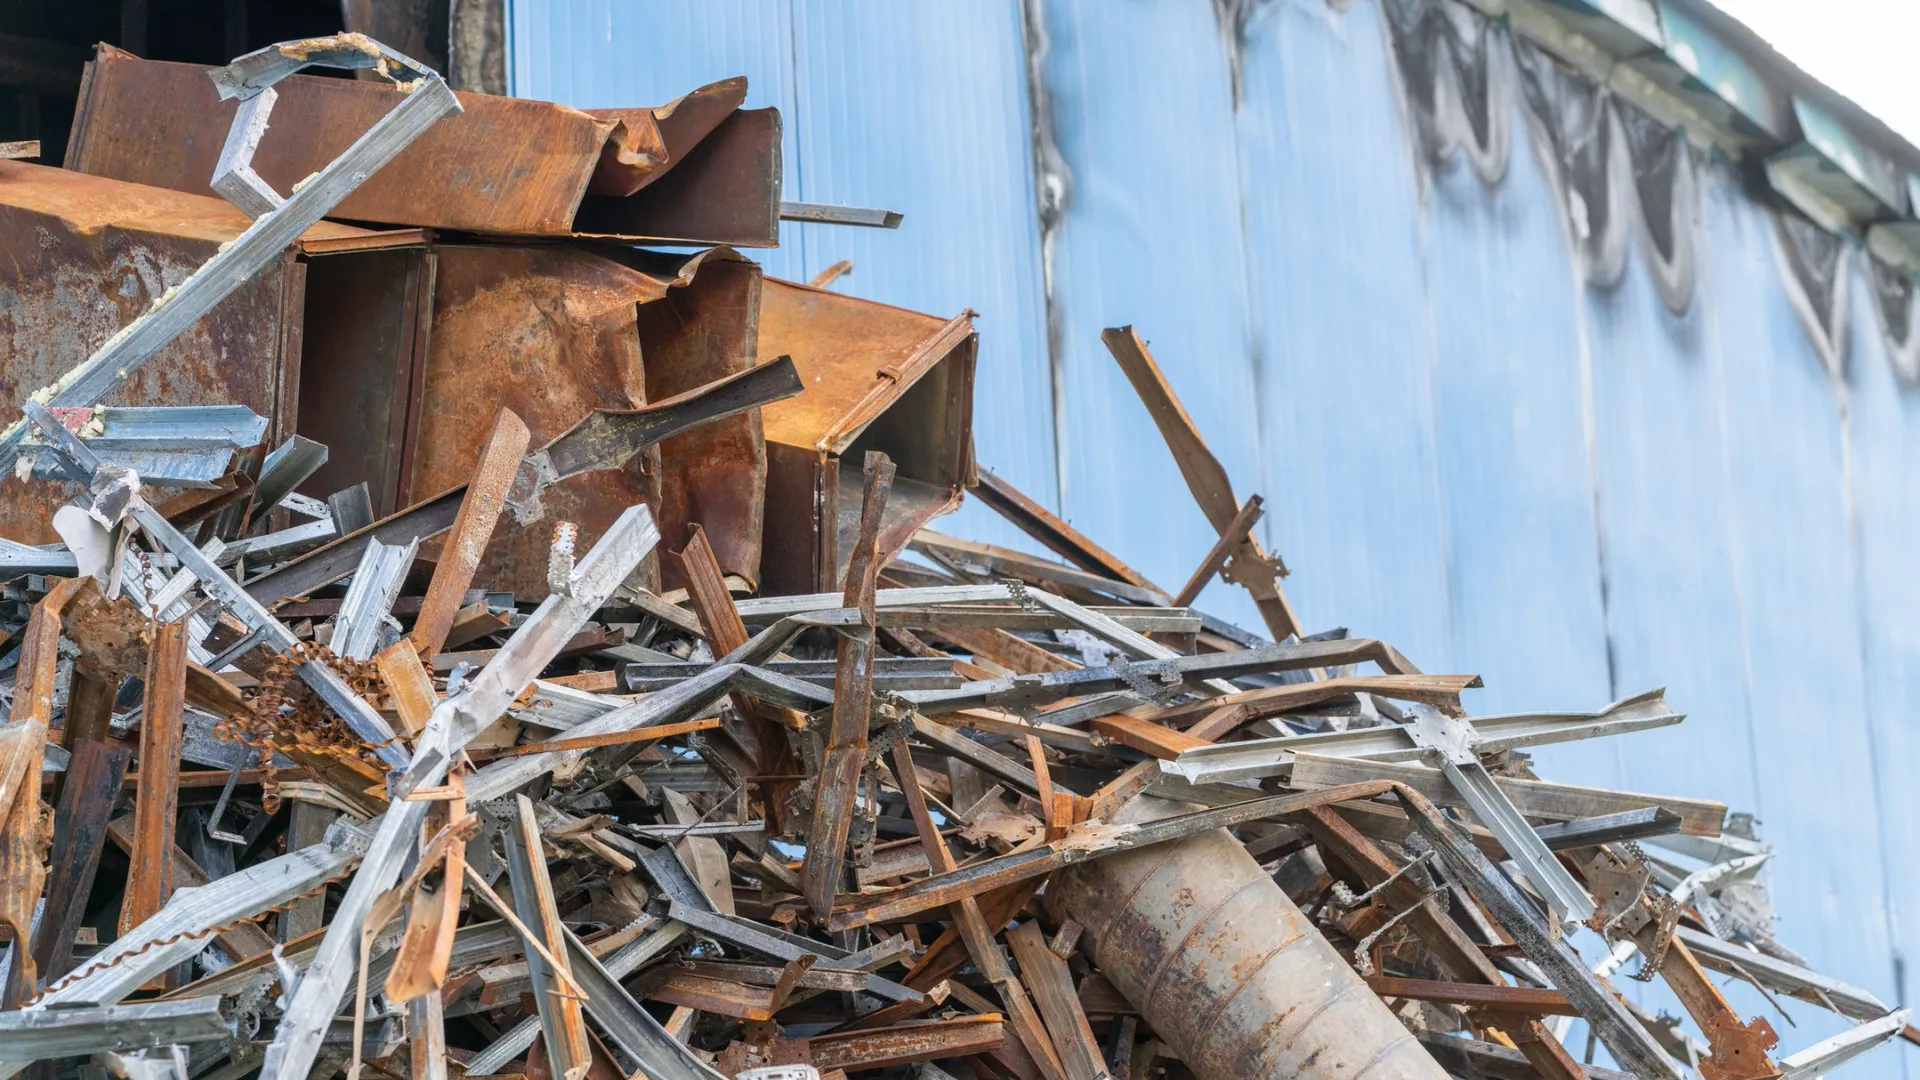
<point>322,679</point>
<point>170,446</point>
<point>17,559</point>
<point>38,1034</point>
<point>1005,562</point>
<point>632,1029</point>
<point>271,234</point>
<point>625,961</point>
<point>376,585</point>
<point>1022,691</point>
<point>1257,759</point>
<point>1450,739</point>
<point>1829,1054</point>
<point>455,721</point>
<point>688,904</point>
<point>562,1023</point>
<point>1136,645</point>
<point>1623,1035</point>
<point>1800,983</point>
<point>286,468</point>
<point>1091,840</point>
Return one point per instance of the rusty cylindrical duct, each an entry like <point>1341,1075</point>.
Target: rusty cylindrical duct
<point>1225,968</point>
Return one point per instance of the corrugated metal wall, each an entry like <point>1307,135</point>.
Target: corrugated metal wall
<point>1466,448</point>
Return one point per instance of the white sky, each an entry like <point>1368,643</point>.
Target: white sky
<point>1861,48</point>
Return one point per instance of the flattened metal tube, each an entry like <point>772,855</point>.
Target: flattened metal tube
<point>1226,968</point>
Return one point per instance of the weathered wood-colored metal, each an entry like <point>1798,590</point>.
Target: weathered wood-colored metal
<point>156,801</point>
<point>466,542</point>
<point>79,833</point>
<point>25,827</point>
<point>846,736</point>
<point>1250,566</point>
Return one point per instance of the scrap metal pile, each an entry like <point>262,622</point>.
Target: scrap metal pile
<point>593,699</point>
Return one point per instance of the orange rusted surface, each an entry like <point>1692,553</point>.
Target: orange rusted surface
<point>714,475</point>
<point>554,333</point>
<point>82,256</point>
<point>877,378</point>
<point>156,800</point>
<point>503,165</point>
<point>26,823</point>
<point>466,542</point>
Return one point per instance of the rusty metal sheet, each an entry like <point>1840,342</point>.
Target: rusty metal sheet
<point>554,333</point>
<point>504,165</point>
<point>361,362</point>
<point>715,475</point>
<point>156,803</point>
<point>878,378</point>
<point>726,191</point>
<point>82,256</point>
<point>79,832</point>
<point>548,332</point>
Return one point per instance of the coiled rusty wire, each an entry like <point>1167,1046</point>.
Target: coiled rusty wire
<point>284,715</point>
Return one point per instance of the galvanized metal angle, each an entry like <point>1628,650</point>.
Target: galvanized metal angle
<point>1259,758</point>
<point>1829,1054</point>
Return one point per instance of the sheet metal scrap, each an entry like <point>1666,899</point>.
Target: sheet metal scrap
<point>697,170</point>
<point>860,799</point>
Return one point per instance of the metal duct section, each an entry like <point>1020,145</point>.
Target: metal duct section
<point>1225,967</point>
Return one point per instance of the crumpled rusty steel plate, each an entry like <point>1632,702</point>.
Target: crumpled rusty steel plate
<point>878,378</point>
<point>504,165</point>
<point>556,332</point>
<point>82,256</point>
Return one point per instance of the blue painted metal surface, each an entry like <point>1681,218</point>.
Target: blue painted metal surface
<point>1464,449</point>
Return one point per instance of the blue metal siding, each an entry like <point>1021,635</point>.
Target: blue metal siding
<point>1465,448</point>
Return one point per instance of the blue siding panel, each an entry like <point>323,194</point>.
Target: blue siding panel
<point>1344,351</point>
<point>1143,116</point>
<point>1523,577</point>
<point>1792,551</point>
<point>1884,440</point>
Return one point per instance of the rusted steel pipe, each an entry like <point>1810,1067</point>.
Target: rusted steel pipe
<point>1226,968</point>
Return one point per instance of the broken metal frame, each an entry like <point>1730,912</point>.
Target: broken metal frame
<point>427,101</point>
<point>1451,741</point>
<point>39,1034</point>
<point>579,590</point>
<point>1623,1035</point>
<point>1828,1054</point>
<point>844,756</point>
<point>324,681</point>
<point>1257,759</point>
